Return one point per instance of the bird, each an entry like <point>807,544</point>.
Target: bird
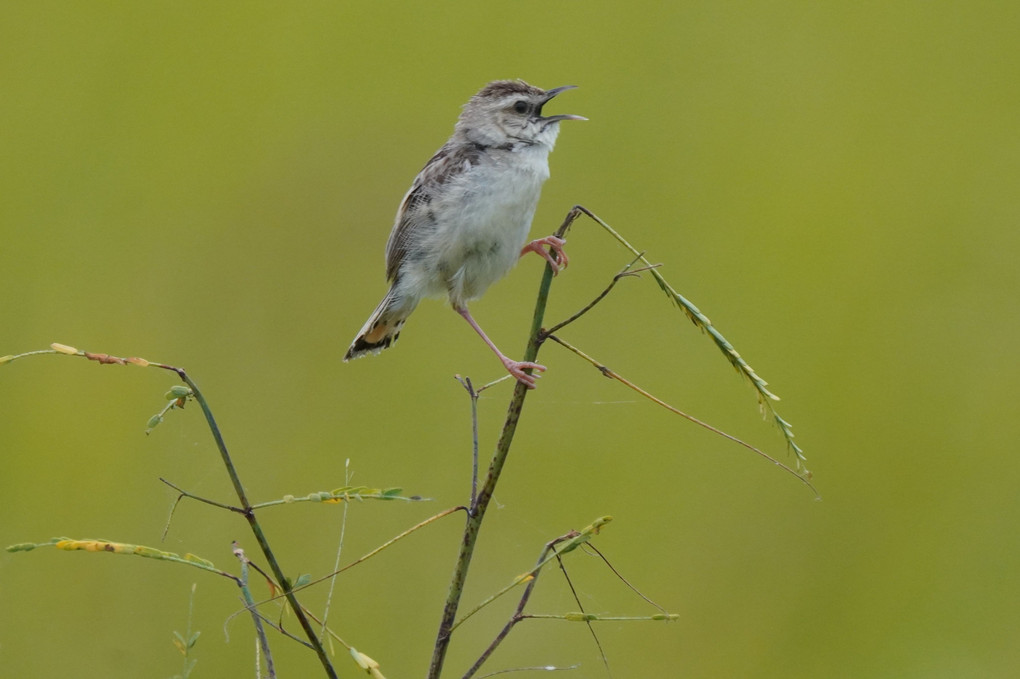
<point>464,222</point>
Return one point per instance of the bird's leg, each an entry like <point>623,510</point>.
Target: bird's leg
<point>538,246</point>
<point>515,368</point>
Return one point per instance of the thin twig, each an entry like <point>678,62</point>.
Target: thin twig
<point>608,372</point>
<point>765,397</point>
<point>245,509</point>
<point>339,551</point>
<point>377,550</point>
<point>170,516</point>
<point>254,525</point>
<point>547,555</point>
<point>365,557</point>
<point>481,502</point>
<point>249,603</point>
<point>619,575</point>
<point>192,496</point>
<point>624,273</point>
<point>565,543</point>
<point>466,383</point>
<point>580,607</point>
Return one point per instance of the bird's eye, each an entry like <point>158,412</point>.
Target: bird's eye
<point>521,106</point>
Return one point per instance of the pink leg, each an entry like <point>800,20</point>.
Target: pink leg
<point>538,246</point>
<point>515,368</point>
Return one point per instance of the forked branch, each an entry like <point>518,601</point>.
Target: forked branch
<point>480,501</point>
<point>245,507</point>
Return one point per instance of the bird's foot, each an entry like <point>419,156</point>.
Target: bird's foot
<point>538,246</point>
<point>517,368</point>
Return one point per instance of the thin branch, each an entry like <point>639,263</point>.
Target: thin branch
<point>170,517</point>
<point>254,525</point>
<point>532,577</point>
<point>377,550</point>
<point>602,295</point>
<point>481,502</point>
<point>249,603</point>
<point>183,493</point>
<point>365,557</point>
<point>616,376</point>
<point>765,397</point>
<point>246,508</point>
<point>564,544</point>
<point>339,551</point>
<point>466,383</point>
<point>110,547</point>
<point>580,607</point>
<point>619,575</point>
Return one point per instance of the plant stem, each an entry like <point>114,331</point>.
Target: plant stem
<point>518,613</point>
<point>256,528</point>
<point>481,502</point>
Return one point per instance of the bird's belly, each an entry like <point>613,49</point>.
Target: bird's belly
<point>488,247</point>
<point>483,239</point>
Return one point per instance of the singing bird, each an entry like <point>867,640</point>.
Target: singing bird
<point>464,222</point>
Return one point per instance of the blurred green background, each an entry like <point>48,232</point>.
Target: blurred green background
<point>837,185</point>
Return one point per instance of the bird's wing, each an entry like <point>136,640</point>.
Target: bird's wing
<point>415,218</point>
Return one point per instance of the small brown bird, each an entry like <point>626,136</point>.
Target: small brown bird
<point>464,223</point>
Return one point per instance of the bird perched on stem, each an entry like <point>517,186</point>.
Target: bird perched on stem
<point>464,223</point>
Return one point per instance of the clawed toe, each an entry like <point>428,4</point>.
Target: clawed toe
<point>538,247</point>
<point>517,368</point>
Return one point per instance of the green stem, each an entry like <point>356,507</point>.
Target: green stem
<point>481,502</point>
<point>256,528</point>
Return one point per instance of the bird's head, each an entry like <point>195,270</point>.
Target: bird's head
<point>509,113</point>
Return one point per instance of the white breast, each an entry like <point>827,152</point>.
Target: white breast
<point>483,221</point>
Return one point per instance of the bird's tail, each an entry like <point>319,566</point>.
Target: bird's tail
<point>381,329</point>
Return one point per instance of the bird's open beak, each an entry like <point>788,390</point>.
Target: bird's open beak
<point>562,116</point>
